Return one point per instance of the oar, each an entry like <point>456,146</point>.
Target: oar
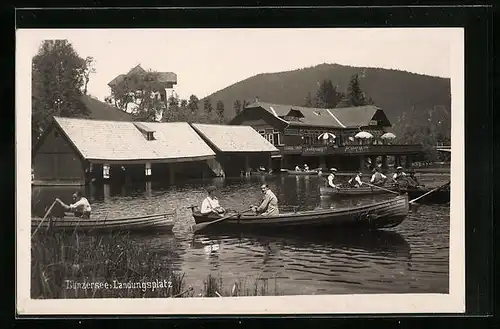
<point>380,188</point>
<point>200,226</point>
<point>431,191</point>
<point>46,214</point>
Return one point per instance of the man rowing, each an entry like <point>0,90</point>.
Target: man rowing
<point>81,206</point>
<point>356,181</point>
<point>331,178</point>
<point>378,178</point>
<point>269,204</point>
<point>210,204</point>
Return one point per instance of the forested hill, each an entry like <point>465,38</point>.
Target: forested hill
<point>396,92</point>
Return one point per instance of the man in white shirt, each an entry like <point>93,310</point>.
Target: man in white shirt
<point>377,178</point>
<point>356,181</point>
<point>297,168</point>
<point>306,167</point>
<point>211,204</point>
<point>398,175</point>
<point>81,206</point>
<point>331,178</point>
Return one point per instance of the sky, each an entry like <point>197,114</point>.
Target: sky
<point>208,60</point>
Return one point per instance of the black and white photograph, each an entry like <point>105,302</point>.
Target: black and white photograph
<point>205,171</point>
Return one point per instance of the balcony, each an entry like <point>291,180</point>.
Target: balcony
<point>308,150</point>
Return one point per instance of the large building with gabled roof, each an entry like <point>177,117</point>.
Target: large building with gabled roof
<point>75,151</point>
<point>350,138</point>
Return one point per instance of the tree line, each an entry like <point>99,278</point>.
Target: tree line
<point>60,78</point>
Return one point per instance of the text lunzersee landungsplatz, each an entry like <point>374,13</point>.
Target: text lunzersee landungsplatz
<point>115,284</point>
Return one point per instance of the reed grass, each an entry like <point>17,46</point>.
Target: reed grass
<point>62,261</point>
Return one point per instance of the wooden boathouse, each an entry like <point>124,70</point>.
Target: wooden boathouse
<point>351,138</point>
<point>239,149</point>
<point>76,151</point>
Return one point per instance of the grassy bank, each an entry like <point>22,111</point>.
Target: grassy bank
<point>75,265</point>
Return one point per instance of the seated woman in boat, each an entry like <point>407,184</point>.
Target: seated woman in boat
<point>269,204</point>
<point>81,206</point>
<point>378,178</point>
<point>210,204</point>
<point>356,181</point>
<point>306,167</point>
<point>297,168</point>
<point>331,178</point>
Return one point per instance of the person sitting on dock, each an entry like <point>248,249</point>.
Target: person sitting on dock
<point>81,206</point>
<point>356,181</point>
<point>331,178</point>
<point>297,168</point>
<point>269,204</point>
<point>378,178</point>
<point>211,204</point>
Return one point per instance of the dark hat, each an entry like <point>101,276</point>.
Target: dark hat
<point>211,188</point>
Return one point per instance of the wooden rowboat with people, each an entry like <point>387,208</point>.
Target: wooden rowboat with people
<point>439,195</point>
<point>355,191</point>
<point>161,221</point>
<point>378,215</point>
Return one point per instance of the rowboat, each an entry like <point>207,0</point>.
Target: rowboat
<point>441,196</point>
<point>295,172</point>
<point>354,191</point>
<point>385,214</point>
<point>161,221</point>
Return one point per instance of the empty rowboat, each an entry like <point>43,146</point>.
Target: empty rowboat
<point>384,214</point>
<point>163,221</point>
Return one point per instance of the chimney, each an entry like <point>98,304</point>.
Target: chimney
<point>256,99</point>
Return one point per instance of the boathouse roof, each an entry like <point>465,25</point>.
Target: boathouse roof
<point>234,138</point>
<point>102,140</point>
<point>346,117</point>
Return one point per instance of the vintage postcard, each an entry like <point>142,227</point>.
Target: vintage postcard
<point>233,171</point>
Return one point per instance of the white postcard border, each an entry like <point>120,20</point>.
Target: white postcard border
<point>454,302</point>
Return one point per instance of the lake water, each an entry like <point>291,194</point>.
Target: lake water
<point>411,258</point>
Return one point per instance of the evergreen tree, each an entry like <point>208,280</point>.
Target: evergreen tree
<point>327,95</point>
<point>355,95</point>
<point>237,107</point>
<point>207,106</point>
<point>219,109</point>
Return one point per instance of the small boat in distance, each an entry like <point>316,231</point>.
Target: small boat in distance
<point>303,172</point>
<point>385,214</point>
<point>163,221</point>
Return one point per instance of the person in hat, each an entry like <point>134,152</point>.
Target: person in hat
<point>80,206</point>
<point>210,204</point>
<point>306,167</point>
<point>269,203</point>
<point>378,178</point>
<point>331,178</point>
<point>356,180</point>
<point>399,176</point>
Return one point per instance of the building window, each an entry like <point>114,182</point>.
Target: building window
<point>150,136</point>
<point>105,171</point>
<point>270,138</point>
<point>277,139</point>
<point>262,133</point>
